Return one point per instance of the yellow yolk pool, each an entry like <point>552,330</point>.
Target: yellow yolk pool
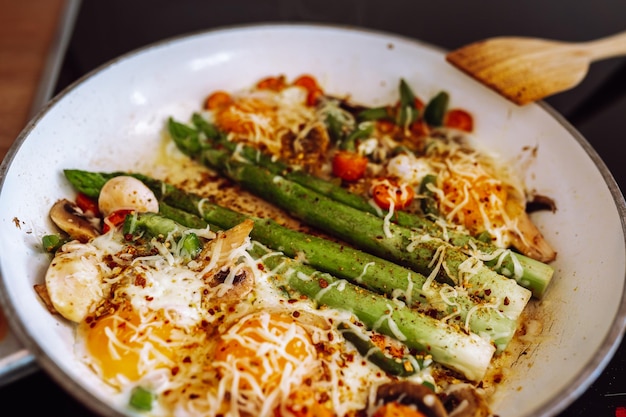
<point>121,346</point>
<point>475,202</point>
<point>265,348</point>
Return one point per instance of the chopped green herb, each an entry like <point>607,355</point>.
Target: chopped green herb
<point>141,399</point>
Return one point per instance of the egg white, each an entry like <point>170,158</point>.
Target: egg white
<point>194,311</point>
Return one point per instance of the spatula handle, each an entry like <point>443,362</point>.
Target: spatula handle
<point>608,47</point>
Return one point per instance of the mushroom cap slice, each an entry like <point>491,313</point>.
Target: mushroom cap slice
<point>70,218</point>
<point>464,400</point>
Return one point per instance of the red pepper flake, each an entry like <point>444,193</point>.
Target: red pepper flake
<point>324,397</point>
<point>506,301</point>
<point>140,281</point>
<point>323,283</point>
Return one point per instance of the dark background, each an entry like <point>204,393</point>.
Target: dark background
<point>596,108</point>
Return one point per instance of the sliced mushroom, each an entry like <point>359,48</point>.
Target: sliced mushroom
<point>215,254</point>
<point>412,394</point>
<point>69,218</point>
<point>233,285</point>
<point>463,400</point>
<point>218,266</point>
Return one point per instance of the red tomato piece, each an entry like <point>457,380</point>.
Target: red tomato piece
<point>419,104</point>
<point>217,100</point>
<point>349,166</point>
<point>87,204</point>
<point>459,119</point>
<point>385,126</point>
<point>309,83</point>
<point>115,219</point>
<point>272,83</point>
<point>386,191</point>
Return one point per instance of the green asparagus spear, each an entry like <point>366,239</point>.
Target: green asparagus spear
<point>153,225</point>
<point>364,269</point>
<point>405,366</point>
<point>371,234</point>
<point>342,261</point>
<point>468,354</point>
<point>529,273</point>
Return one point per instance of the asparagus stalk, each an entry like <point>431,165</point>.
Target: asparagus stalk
<point>528,272</point>
<point>406,366</point>
<point>374,273</point>
<point>160,226</point>
<point>431,257</point>
<point>468,354</point>
<point>370,234</point>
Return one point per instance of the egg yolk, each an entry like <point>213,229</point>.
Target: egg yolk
<point>472,209</point>
<point>121,346</point>
<point>262,346</point>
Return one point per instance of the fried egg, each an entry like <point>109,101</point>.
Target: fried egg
<point>157,322</point>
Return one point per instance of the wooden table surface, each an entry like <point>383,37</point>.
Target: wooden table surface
<point>27,33</point>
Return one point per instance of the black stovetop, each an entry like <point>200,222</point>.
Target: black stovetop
<point>597,108</point>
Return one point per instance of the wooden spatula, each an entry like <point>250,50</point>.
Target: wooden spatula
<point>528,69</point>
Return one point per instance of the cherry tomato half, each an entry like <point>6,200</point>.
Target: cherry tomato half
<point>349,166</point>
<point>272,83</point>
<point>309,83</point>
<point>87,204</point>
<point>386,191</point>
<point>115,219</point>
<point>459,119</point>
<point>217,100</point>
